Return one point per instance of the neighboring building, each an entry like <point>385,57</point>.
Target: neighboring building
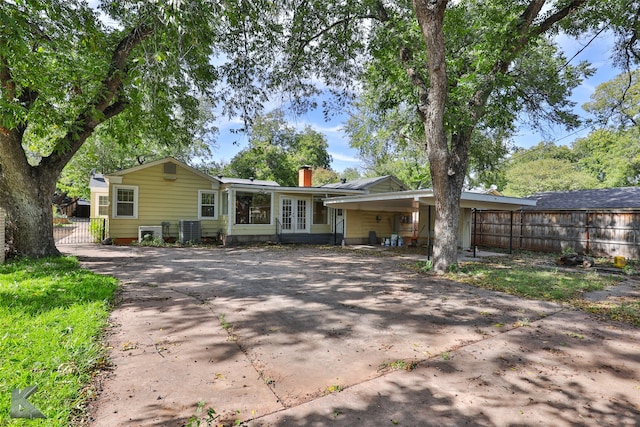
<point>171,199</point>
<point>599,199</point>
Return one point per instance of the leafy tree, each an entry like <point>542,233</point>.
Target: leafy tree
<point>611,156</point>
<point>546,174</point>
<point>64,74</point>
<point>612,153</point>
<point>114,147</point>
<point>616,103</point>
<point>465,66</point>
<point>389,141</point>
<point>350,174</point>
<point>324,176</point>
<point>276,151</point>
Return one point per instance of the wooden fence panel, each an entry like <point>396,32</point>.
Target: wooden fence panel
<point>599,233</point>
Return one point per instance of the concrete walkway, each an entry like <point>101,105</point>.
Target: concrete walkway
<point>312,337</point>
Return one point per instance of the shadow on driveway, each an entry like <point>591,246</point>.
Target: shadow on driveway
<point>293,336</point>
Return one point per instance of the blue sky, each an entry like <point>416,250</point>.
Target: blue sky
<point>597,52</point>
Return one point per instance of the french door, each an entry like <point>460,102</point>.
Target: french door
<point>294,215</point>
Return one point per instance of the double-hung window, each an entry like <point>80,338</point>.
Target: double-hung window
<point>207,204</point>
<point>125,201</point>
<point>103,205</point>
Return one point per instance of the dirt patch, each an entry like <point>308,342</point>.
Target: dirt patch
<point>307,336</point>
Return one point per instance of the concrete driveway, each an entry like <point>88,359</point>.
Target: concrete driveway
<point>300,336</point>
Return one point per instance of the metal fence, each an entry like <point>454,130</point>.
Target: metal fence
<point>80,230</point>
<point>598,233</point>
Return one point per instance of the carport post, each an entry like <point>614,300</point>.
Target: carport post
<point>429,234</point>
<point>475,227</point>
<point>511,232</point>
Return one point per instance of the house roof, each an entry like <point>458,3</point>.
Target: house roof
<point>364,184</point>
<point>97,182</point>
<point>244,181</point>
<point>605,198</point>
<point>404,201</point>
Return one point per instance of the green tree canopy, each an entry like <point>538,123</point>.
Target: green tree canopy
<point>276,151</point>
<point>65,73</point>
<point>546,174</point>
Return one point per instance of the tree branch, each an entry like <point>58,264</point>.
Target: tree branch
<point>406,56</point>
<point>380,15</point>
<point>103,106</point>
<point>323,31</point>
<point>548,23</point>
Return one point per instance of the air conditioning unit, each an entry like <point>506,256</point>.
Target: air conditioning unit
<point>155,231</point>
<point>189,231</point>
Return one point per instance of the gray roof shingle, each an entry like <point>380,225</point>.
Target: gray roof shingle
<point>605,198</point>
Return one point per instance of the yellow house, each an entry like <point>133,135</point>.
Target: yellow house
<point>169,200</point>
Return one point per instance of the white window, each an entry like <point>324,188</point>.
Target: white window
<point>125,201</point>
<point>207,205</point>
<point>253,208</point>
<point>103,205</point>
<point>320,215</point>
<point>224,203</point>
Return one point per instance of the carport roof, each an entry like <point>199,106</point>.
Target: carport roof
<point>403,201</point>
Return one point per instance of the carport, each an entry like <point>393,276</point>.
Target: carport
<point>410,215</point>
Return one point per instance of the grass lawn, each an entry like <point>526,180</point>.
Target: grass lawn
<point>536,276</point>
<point>52,314</point>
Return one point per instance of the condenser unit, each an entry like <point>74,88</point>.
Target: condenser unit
<point>189,231</point>
<point>155,231</point>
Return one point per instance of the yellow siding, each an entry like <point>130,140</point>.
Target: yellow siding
<point>93,213</point>
<point>359,223</point>
<point>161,199</point>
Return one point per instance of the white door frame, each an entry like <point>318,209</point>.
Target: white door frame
<point>294,214</point>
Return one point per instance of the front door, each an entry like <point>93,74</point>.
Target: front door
<point>294,215</point>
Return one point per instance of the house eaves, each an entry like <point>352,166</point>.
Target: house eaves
<point>406,201</point>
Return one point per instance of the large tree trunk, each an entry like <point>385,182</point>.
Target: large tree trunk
<point>448,168</point>
<point>25,193</point>
<point>447,162</point>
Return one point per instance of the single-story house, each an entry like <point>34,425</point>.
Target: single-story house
<point>170,199</point>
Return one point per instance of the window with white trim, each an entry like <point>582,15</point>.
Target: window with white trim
<point>103,205</point>
<point>320,215</point>
<point>207,204</point>
<point>253,208</point>
<point>125,201</point>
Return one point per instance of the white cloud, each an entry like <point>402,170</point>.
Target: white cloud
<point>343,158</point>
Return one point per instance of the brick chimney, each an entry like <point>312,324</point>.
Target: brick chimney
<point>304,176</point>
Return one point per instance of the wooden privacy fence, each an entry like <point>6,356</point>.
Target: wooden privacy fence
<point>593,232</point>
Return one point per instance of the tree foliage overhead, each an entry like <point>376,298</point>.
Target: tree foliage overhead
<point>465,66</point>
<point>276,151</point>
<point>65,74</point>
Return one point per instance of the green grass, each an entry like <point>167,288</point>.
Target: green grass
<point>535,278</point>
<point>52,314</point>
<point>530,282</point>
